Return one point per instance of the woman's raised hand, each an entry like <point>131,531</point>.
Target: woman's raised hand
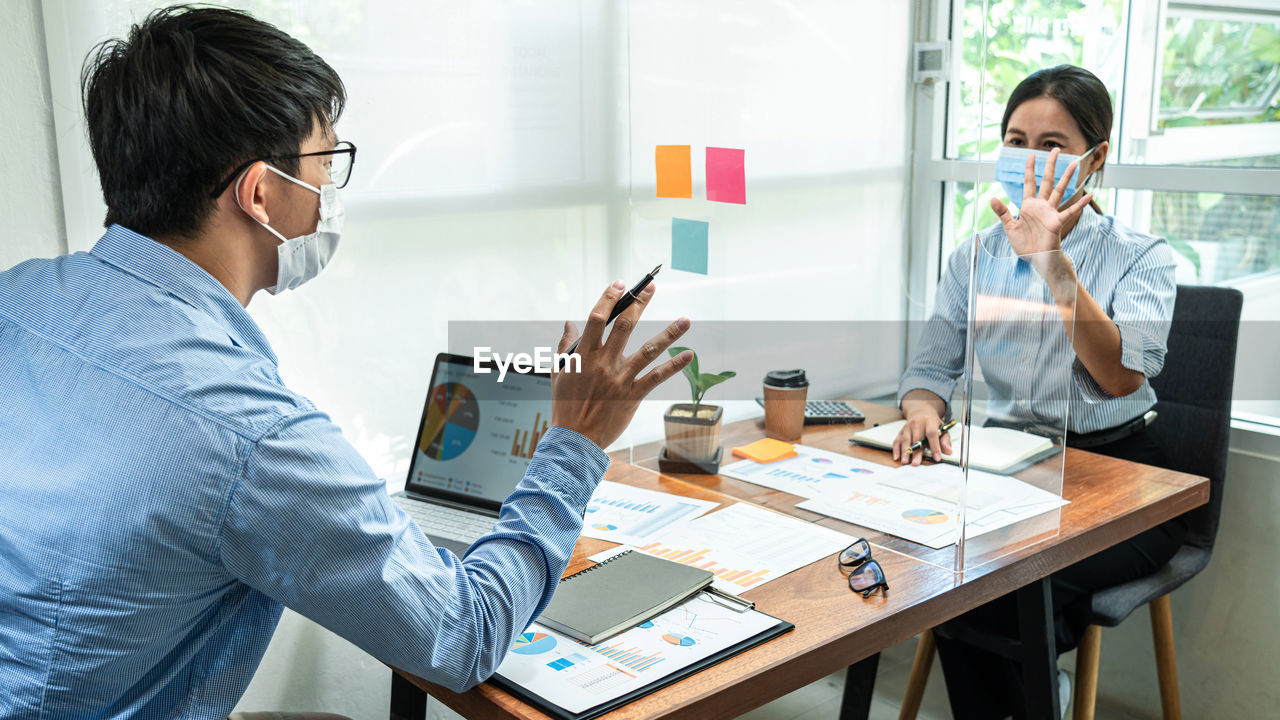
<point>1038,226</point>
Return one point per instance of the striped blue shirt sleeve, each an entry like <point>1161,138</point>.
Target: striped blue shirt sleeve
<point>309,525</point>
<point>939,361</point>
<point>1141,306</point>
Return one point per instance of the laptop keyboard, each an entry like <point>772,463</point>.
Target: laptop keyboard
<point>445,521</point>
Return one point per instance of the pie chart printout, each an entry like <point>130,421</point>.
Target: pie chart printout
<point>924,516</point>
<point>533,643</point>
<point>678,639</point>
<point>452,421</point>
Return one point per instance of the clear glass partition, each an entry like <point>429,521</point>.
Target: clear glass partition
<point>804,267</point>
<point>772,196</point>
<point>1019,386</point>
<point>1002,482</point>
<point>793,260</point>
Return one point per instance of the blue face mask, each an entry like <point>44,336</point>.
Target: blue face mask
<point>1011,169</point>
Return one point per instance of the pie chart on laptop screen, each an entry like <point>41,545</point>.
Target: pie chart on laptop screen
<point>453,417</point>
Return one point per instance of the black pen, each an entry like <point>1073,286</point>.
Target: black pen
<point>623,303</point>
<point>942,430</point>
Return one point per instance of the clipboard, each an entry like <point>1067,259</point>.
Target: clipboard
<point>780,627</point>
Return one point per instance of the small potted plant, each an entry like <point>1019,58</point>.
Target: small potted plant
<point>693,429</point>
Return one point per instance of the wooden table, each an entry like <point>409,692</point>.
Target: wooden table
<point>1111,500</point>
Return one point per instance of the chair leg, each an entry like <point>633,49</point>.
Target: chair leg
<point>1086,692</point>
<point>1166,663</point>
<point>920,667</point>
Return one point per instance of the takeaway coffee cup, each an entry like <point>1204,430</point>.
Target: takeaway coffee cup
<point>784,395</point>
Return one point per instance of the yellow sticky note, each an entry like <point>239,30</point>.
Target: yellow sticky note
<point>766,450</point>
<point>675,178</point>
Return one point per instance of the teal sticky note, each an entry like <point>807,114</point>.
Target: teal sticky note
<point>689,245</point>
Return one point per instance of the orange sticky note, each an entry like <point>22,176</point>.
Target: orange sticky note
<point>766,450</point>
<point>675,178</point>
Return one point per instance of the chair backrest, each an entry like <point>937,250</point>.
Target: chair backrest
<point>1193,395</point>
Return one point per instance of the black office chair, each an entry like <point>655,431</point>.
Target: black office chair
<point>1193,429</point>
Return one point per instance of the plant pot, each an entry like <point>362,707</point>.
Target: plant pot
<point>693,436</point>
<point>671,465</point>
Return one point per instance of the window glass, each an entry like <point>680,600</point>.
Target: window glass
<point>1023,36</point>
<point>1206,87</point>
<point>1218,70</point>
<point>1218,238</point>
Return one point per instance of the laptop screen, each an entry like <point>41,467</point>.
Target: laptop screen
<point>477,434</point>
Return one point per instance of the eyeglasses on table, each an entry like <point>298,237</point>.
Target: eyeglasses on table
<point>865,574</point>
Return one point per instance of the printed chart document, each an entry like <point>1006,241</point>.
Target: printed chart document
<point>921,504</point>
<point>745,546</point>
<point>917,503</point>
<point>985,491</point>
<point>625,514</point>
<point>573,679</point>
<point>811,472</point>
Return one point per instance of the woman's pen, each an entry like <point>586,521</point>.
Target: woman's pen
<point>942,430</point>
<point>623,303</point>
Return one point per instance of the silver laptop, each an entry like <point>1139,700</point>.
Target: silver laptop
<point>473,446</point>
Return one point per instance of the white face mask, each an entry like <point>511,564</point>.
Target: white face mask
<point>303,257</point>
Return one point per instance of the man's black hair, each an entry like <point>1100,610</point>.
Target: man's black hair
<point>189,95</point>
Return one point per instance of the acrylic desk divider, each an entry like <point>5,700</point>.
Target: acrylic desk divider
<point>784,246</point>
<point>1018,391</point>
<point>1003,484</point>
<point>858,354</point>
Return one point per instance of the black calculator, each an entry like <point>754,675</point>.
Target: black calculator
<point>828,412</point>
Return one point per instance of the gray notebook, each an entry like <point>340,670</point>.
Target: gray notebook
<point>619,594</point>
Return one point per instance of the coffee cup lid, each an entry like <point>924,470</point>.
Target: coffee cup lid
<point>786,379</point>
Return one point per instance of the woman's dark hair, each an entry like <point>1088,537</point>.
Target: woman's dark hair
<point>1079,91</point>
<point>190,94</point>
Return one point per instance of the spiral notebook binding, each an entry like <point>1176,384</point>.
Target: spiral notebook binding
<point>606,561</point>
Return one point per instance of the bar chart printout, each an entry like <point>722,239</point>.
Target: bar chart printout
<point>625,514</point>
<point>811,473</point>
<point>577,676</point>
<point>746,546</point>
<point>631,658</point>
<point>744,578</point>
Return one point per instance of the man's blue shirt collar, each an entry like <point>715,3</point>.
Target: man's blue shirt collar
<point>172,272</point>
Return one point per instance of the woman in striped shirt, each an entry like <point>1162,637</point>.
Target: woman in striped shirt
<point>1113,286</point>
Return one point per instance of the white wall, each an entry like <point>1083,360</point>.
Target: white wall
<point>29,194</point>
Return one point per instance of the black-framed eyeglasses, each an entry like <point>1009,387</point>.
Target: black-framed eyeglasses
<point>865,574</point>
<point>341,159</point>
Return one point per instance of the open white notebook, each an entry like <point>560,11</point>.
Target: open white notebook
<point>997,450</point>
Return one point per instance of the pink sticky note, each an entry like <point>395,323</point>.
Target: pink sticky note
<point>726,179</point>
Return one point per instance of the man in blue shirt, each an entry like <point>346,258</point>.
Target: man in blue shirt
<point>165,495</point>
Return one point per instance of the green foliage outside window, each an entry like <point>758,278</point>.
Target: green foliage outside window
<point>1217,72</point>
<point>1022,36</point>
